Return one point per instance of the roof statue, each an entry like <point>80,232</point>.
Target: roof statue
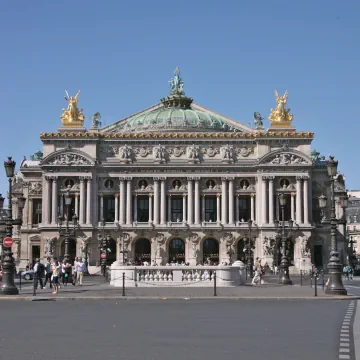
<point>281,116</point>
<point>95,120</point>
<point>38,156</point>
<point>72,116</point>
<point>258,121</point>
<point>176,84</point>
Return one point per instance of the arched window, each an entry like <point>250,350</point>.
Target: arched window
<point>176,251</point>
<point>211,251</point>
<point>142,251</point>
<point>241,249</point>
<point>112,254</point>
<point>72,250</point>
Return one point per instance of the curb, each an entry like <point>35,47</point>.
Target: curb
<point>98,298</point>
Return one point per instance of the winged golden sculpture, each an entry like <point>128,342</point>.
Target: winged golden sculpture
<point>280,115</point>
<point>72,116</point>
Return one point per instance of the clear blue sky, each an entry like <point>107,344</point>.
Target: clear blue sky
<point>232,55</point>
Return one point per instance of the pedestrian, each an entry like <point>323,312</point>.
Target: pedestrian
<point>80,269</point>
<point>39,271</point>
<point>55,276</point>
<point>75,271</point>
<point>58,262</point>
<point>66,271</point>
<point>48,272</point>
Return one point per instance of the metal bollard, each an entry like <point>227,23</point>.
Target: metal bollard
<point>214,283</point>
<point>315,285</point>
<point>300,277</point>
<point>35,284</point>
<point>123,287</point>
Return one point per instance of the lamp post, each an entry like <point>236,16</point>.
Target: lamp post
<point>335,285</point>
<point>344,202</point>
<point>284,264</point>
<point>103,246</point>
<point>249,257</point>
<point>67,232</point>
<point>350,251</point>
<point>8,281</point>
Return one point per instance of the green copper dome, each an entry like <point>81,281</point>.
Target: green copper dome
<point>175,114</point>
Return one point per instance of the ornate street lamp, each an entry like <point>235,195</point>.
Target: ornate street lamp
<point>67,232</point>
<point>8,281</point>
<point>284,234</point>
<point>103,247</point>
<point>335,285</point>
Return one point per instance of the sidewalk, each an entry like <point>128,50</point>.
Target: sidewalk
<point>94,288</point>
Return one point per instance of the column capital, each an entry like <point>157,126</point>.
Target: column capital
<point>193,178</point>
<point>156,178</point>
<point>122,178</point>
<point>116,195</point>
<point>231,178</point>
<point>268,177</point>
<point>50,177</point>
<point>82,178</point>
<point>299,177</point>
<point>184,195</point>
<point>77,195</point>
<point>218,195</point>
<point>128,178</point>
<point>101,195</point>
<point>150,195</point>
<point>252,195</point>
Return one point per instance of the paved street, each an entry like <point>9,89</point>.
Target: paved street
<point>178,329</point>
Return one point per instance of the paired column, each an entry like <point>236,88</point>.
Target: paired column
<point>156,202</point>
<point>190,206</point>
<point>263,201</point>
<point>252,207</point>
<point>135,207</point>
<point>202,207</point>
<point>237,215</point>
<point>197,201</point>
<point>54,201</point>
<point>224,209</point>
<point>116,208</point>
<point>128,201</point>
<point>46,199</point>
<point>231,201</point>
<point>184,207</point>
<point>122,202</point>
<point>76,204</point>
<point>298,200</point>
<point>163,201</point>
<point>82,202</point>
<point>292,206</point>
<point>271,199</point>
<point>150,208</point>
<point>306,200</point>
<point>169,209</point>
<point>88,201</point>
<point>30,212</point>
<point>218,209</point>
<point>101,207</point>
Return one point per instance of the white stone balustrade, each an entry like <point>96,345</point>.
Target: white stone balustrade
<point>177,276</point>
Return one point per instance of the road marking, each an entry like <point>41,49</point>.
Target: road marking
<point>344,344</point>
<point>345,351</point>
<point>341,356</point>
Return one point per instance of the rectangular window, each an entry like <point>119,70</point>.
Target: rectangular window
<point>244,208</point>
<point>37,211</point>
<point>210,209</point>
<point>176,209</point>
<point>142,209</point>
<point>109,208</point>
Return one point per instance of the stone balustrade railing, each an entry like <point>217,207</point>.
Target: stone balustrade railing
<point>163,276</point>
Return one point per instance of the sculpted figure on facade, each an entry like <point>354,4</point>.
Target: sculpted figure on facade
<point>95,120</point>
<point>193,152</point>
<point>125,153</point>
<point>287,159</point>
<point>84,245</point>
<point>304,246</point>
<point>269,246</point>
<point>177,151</point>
<point>227,153</point>
<point>69,159</point>
<point>49,247</point>
<point>159,153</point>
<point>35,188</point>
<point>228,238</point>
<point>72,116</point>
<point>258,121</point>
<point>280,115</point>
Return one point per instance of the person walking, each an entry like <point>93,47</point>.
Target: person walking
<point>48,272</point>
<point>75,271</point>
<point>55,268</point>
<point>39,271</point>
<point>80,269</point>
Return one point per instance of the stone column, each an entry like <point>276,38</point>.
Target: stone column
<point>224,207</point>
<point>231,201</point>
<point>77,204</point>
<point>61,200</point>
<point>54,196</point>
<point>271,199</point>
<point>82,201</point>
<point>184,208</point>
<point>156,202</point>
<point>116,208</point>
<point>252,207</point>
<point>306,201</point>
<point>122,208</point>
<point>237,214</point>
<point>277,206</point>
<point>46,199</point>
<point>163,202</point>
<point>263,201</point>
<point>197,201</point>
<point>202,207</point>
<point>298,200</point>
<point>30,212</point>
<point>190,202</point>
<point>128,202</point>
<point>88,201</point>
<point>292,206</point>
<point>135,208</point>
<point>169,208</point>
<point>218,210</point>
<point>101,207</point>
<point>150,208</point>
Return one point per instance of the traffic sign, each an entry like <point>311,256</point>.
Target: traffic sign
<point>103,256</point>
<point>8,242</point>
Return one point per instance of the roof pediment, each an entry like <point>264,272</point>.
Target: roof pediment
<point>68,157</point>
<point>285,157</point>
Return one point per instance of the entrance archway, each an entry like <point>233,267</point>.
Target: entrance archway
<point>289,252</point>
<point>241,250</point>
<point>211,251</point>
<point>72,250</point>
<point>142,251</point>
<point>177,251</point>
<point>111,256</point>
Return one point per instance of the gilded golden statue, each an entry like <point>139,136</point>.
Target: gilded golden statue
<point>280,115</point>
<point>72,116</point>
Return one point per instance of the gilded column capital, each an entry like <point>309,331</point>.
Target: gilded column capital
<point>150,195</point>
<point>292,194</point>
<point>116,195</point>
<point>101,195</point>
<point>252,195</point>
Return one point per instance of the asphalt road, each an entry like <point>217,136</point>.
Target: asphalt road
<point>176,329</point>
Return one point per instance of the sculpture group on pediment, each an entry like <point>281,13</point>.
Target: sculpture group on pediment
<point>69,159</point>
<point>125,153</point>
<point>227,153</point>
<point>159,153</point>
<point>287,159</point>
<point>193,152</point>
<point>35,188</point>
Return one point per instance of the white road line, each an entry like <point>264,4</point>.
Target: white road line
<point>341,356</point>
<point>344,344</point>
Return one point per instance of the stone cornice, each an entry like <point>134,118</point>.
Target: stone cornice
<point>179,135</point>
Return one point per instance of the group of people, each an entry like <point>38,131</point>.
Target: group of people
<point>348,272</point>
<point>58,273</point>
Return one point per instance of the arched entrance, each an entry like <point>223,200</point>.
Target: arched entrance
<point>289,252</point>
<point>142,251</point>
<point>241,249</point>
<point>177,251</point>
<point>72,250</point>
<point>111,256</point>
<point>211,251</point>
